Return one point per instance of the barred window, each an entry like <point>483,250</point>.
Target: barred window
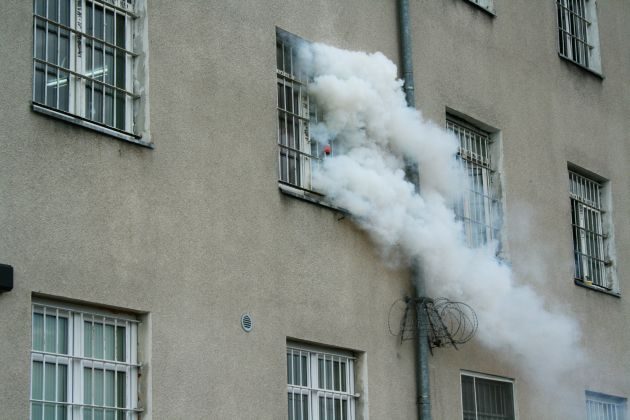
<point>83,62</point>
<point>83,364</point>
<point>578,37</point>
<point>484,4</point>
<point>485,397</point>
<point>298,153</point>
<point>590,241</point>
<point>320,384</point>
<point>605,407</point>
<point>479,209</point>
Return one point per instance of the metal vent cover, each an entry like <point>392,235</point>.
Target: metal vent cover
<point>247,322</point>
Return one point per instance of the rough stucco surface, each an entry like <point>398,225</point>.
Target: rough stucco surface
<point>195,231</point>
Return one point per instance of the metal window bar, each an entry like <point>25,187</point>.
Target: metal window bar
<point>326,391</point>
<point>604,410</point>
<point>587,227</point>
<point>479,209</point>
<point>573,27</point>
<point>486,399</point>
<point>298,154</point>
<point>56,347</point>
<point>60,70</point>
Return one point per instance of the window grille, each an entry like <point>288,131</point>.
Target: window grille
<point>484,4</point>
<point>83,60</point>
<point>576,31</point>
<point>588,234</point>
<point>605,407</point>
<point>484,398</point>
<point>479,209</point>
<point>83,365</point>
<point>298,153</point>
<point>320,385</point>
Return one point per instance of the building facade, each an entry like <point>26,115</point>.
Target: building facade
<point>166,266</point>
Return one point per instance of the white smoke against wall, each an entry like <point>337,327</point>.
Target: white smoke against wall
<point>364,114</point>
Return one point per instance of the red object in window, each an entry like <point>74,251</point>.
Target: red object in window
<point>327,149</point>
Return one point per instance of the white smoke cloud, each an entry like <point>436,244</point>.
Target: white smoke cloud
<point>365,116</point>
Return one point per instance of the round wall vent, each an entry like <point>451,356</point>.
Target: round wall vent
<point>246,322</point>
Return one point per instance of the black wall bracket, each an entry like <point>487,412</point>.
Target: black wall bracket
<point>6,278</point>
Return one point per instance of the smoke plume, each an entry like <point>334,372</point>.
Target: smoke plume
<point>363,114</point>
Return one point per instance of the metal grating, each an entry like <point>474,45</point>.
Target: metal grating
<point>479,209</point>
<point>484,398</point>
<point>573,28</point>
<point>83,365</point>
<point>605,407</point>
<point>298,153</point>
<point>320,385</point>
<point>588,234</point>
<point>83,59</point>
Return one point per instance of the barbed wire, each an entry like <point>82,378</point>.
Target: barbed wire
<point>449,323</point>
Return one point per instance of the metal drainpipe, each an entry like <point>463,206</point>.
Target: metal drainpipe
<point>422,344</point>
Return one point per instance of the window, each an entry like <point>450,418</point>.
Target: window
<point>298,153</point>
<point>590,240</point>
<point>83,63</point>
<point>604,407</point>
<point>578,36</point>
<point>479,210</point>
<point>485,398</point>
<point>83,364</point>
<point>320,384</point>
<point>487,5</point>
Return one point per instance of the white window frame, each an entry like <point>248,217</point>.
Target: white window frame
<point>75,74</point>
<point>476,155</point>
<point>76,361</point>
<point>578,33</point>
<point>309,386</point>
<point>591,233</point>
<point>601,406</point>
<point>475,376</point>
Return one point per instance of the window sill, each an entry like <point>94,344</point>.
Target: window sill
<point>581,66</point>
<point>310,196</point>
<point>596,288</point>
<point>73,119</point>
<point>492,12</point>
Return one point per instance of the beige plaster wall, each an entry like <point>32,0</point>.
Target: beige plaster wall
<point>195,232</point>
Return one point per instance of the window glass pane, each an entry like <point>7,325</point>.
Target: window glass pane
<point>38,331</point>
<point>109,26</point>
<point>109,341</point>
<point>290,407</point>
<point>37,383</point>
<point>64,12</point>
<point>121,386</point>
<point>40,39</point>
<point>62,337</point>
<point>50,334</point>
<point>53,10</point>
<point>468,398</point>
<point>120,30</point>
<point>62,391</point>
<point>121,355</point>
<point>39,7</point>
<point>50,382</point>
<point>110,391</point>
<point>97,341</point>
<point>51,43</point>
